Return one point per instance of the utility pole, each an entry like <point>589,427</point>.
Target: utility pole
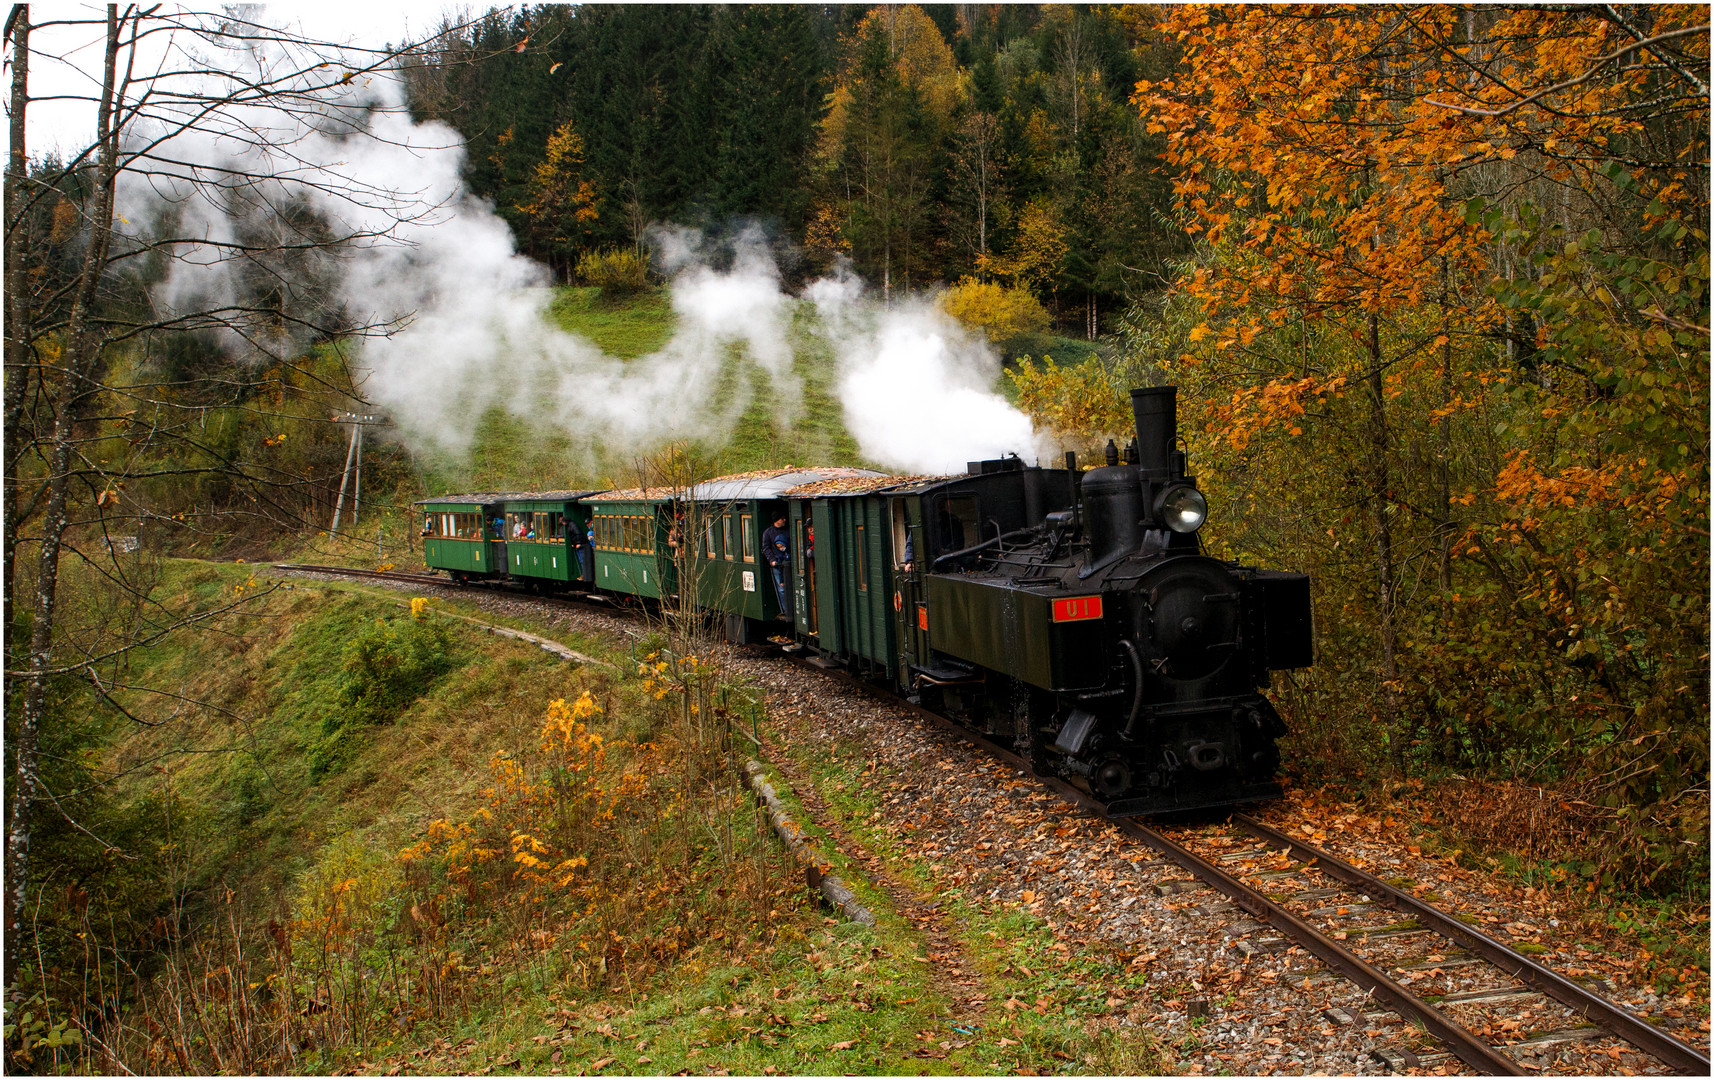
<point>358,422</point>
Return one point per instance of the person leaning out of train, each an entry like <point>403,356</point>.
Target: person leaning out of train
<point>582,543</point>
<point>776,549</point>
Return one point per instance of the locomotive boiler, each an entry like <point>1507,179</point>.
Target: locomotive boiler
<point>1112,649</point>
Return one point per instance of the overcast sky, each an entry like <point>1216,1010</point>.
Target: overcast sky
<point>67,60</point>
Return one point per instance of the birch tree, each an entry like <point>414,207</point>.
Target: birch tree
<point>197,211</point>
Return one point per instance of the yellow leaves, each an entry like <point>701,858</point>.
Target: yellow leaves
<point>1198,332</point>
<point>419,606</point>
<point>998,311</point>
<point>1077,402</point>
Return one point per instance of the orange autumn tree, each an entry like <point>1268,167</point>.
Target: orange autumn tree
<point>1449,337</point>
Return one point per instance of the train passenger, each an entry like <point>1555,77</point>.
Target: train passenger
<point>777,550</point>
<point>583,543</point>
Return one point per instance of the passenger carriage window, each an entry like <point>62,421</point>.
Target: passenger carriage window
<point>708,538</point>
<point>797,544</point>
<point>726,544</point>
<point>749,548</point>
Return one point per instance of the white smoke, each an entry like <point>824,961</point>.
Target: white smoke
<point>916,386</point>
<point>468,316</point>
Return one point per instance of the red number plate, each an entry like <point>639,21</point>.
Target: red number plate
<point>1077,608</point>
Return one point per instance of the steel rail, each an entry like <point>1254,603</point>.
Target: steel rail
<point>1473,1051</point>
<point>351,571</point>
<point>1640,1033</point>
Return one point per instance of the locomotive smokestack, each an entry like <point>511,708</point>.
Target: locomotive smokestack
<point>1156,412</point>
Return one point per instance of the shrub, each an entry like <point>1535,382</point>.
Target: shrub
<point>391,663</point>
<point>998,311</point>
<point>616,273</point>
<point>388,665</point>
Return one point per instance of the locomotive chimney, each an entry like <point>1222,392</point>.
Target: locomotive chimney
<point>1156,412</point>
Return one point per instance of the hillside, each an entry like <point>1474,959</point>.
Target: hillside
<point>376,835</point>
<point>510,454</point>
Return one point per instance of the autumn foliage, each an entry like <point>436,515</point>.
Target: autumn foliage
<point>1444,344</point>
<point>998,311</point>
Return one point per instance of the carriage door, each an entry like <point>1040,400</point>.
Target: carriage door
<point>909,593</point>
<point>803,568</point>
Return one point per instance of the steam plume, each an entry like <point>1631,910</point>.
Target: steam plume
<point>470,326</point>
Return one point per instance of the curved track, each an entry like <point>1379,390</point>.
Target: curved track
<point>1474,1051</point>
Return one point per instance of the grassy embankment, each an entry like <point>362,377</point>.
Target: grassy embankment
<point>306,913</point>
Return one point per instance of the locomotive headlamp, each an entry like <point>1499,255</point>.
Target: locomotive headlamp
<point>1183,508</point>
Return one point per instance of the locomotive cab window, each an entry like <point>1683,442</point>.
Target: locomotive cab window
<point>957,523</point>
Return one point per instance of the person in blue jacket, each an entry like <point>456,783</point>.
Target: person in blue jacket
<point>776,549</point>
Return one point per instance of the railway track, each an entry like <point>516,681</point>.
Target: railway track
<point>1513,979</point>
<point>383,575</point>
<point>1251,857</point>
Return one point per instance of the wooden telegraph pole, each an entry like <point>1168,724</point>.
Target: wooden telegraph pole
<point>358,422</point>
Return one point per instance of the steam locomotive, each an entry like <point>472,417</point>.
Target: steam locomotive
<point>1073,613</point>
<point>1156,651</point>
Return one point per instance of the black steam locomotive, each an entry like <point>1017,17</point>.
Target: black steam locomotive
<point>1072,613</point>
<point>1126,659</point>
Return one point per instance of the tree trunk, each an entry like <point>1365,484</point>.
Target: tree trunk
<point>1379,483</point>
<point>18,323</point>
<point>1444,426</point>
<point>83,354</point>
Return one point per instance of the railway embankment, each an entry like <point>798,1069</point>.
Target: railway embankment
<point>1029,911</point>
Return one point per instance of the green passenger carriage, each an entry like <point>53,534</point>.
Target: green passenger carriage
<point>547,538</point>
<point>727,517</point>
<point>632,528</point>
<point>462,534</point>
